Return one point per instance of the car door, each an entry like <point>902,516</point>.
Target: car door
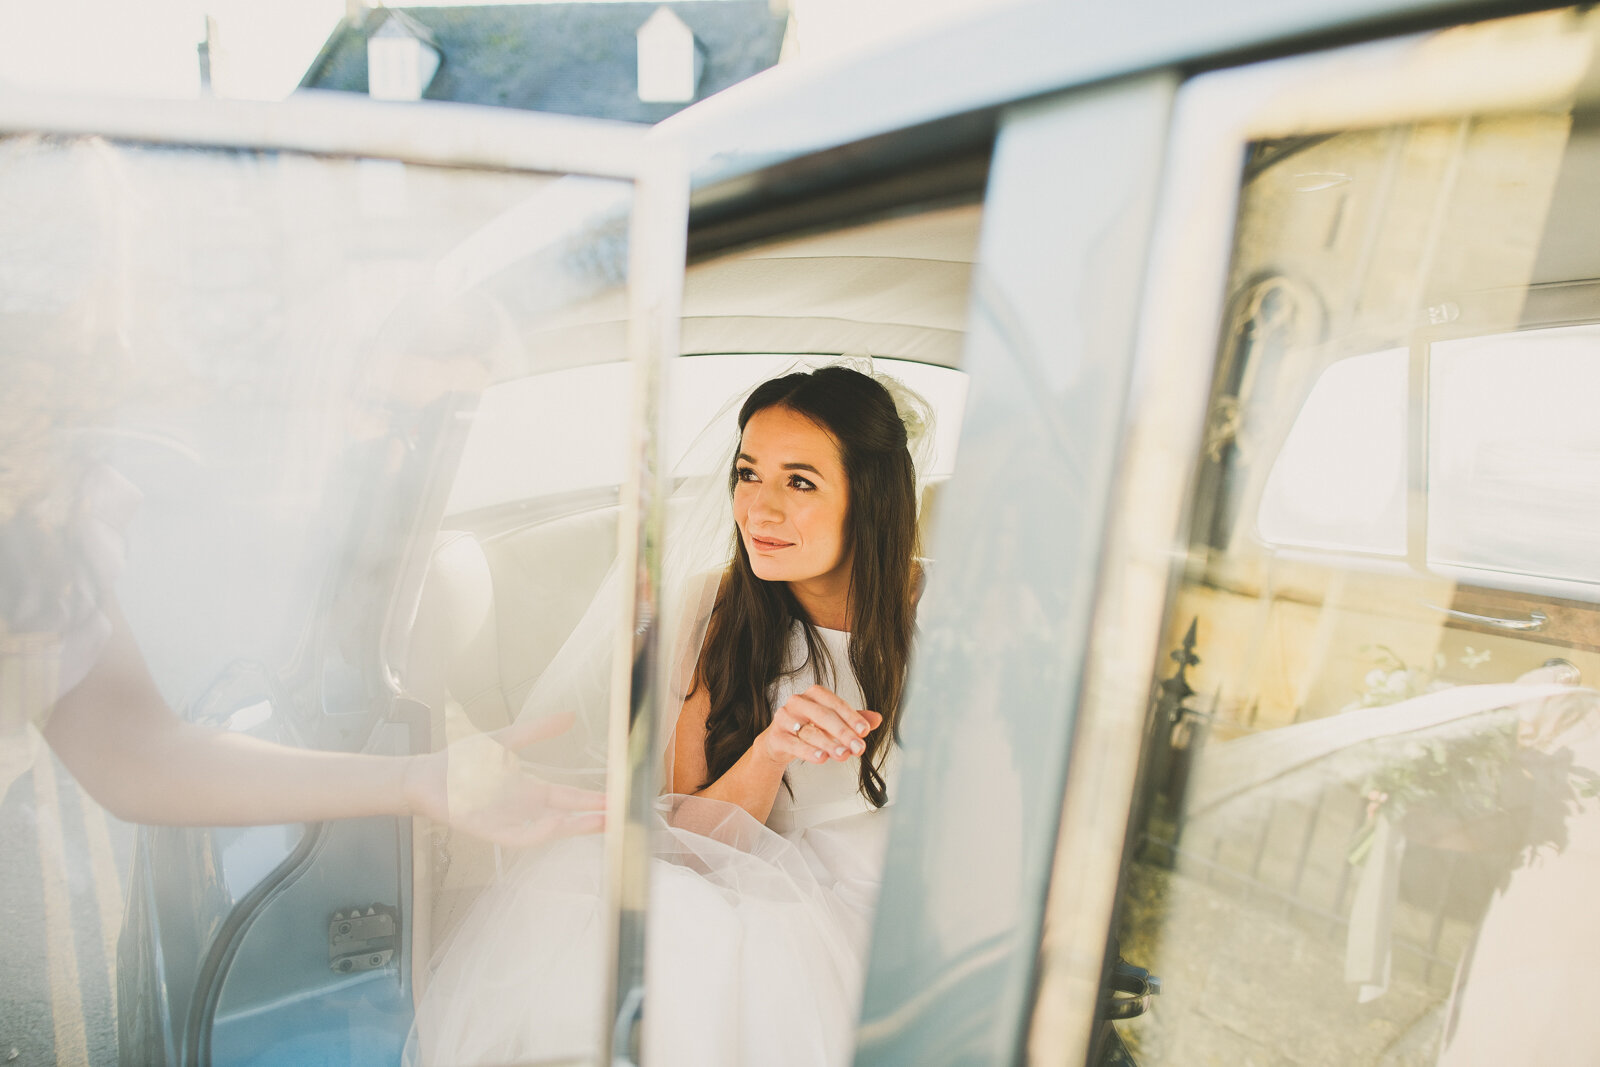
<point>1015,537</point>
<point>1336,746</point>
<point>275,324</point>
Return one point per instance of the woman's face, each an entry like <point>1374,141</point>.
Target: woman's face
<point>789,499</point>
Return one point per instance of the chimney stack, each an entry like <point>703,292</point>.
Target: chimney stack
<point>208,50</point>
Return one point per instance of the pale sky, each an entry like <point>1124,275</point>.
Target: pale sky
<point>146,48</point>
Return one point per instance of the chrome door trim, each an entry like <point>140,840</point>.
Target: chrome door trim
<point>1216,116</point>
<point>640,689</point>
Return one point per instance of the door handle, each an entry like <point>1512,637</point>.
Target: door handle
<point>1129,991</point>
<point>1534,621</point>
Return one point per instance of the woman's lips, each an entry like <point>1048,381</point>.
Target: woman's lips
<point>768,544</point>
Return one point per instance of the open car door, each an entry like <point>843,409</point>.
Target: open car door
<point>273,326</point>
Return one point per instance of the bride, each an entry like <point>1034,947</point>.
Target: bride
<point>768,855</point>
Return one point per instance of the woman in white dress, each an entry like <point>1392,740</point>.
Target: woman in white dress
<point>769,852</point>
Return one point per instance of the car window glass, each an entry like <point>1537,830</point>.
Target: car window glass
<point>1514,454</point>
<point>232,389</point>
<point>1498,408</point>
<point>1369,791</point>
<point>1334,488</point>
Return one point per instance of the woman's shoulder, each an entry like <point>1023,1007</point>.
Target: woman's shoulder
<point>920,568</point>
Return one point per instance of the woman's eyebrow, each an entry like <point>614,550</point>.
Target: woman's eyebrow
<point>748,458</point>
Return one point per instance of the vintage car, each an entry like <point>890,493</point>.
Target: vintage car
<point>1262,600</point>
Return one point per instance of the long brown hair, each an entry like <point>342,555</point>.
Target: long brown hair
<point>748,635</point>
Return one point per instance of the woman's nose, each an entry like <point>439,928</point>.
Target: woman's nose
<point>767,503</point>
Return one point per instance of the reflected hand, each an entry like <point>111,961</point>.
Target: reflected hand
<point>478,785</point>
<point>817,726</point>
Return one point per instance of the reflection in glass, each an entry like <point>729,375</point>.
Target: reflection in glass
<point>233,385</point>
<point>1331,488</point>
<point>1514,455</point>
<point>1371,790</point>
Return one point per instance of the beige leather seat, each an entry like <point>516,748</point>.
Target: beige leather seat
<point>493,612</point>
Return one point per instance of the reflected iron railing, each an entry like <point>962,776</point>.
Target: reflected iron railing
<point>1178,739</point>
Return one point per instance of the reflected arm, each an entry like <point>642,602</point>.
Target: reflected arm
<point>119,738</point>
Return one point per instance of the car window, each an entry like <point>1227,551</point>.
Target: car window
<point>1368,805</point>
<point>1510,459</point>
<point>1514,454</point>
<point>515,617</point>
<point>242,374</point>
<point>1337,489</point>
<point>582,415</point>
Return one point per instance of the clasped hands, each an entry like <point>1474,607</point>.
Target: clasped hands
<point>817,726</point>
<point>478,784</point>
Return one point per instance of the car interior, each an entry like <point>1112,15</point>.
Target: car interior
<point>510,574</point>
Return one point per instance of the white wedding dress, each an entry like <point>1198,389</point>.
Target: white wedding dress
<point>757,935</point>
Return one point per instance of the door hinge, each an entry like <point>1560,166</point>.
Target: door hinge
<point>363,939</point>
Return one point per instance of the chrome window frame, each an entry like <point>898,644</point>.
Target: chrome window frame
<point>1445,74</point>
<point>1016,542</point>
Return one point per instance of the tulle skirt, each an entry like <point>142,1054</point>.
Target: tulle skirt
<point>755,952</point>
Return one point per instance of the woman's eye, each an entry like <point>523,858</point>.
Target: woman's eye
<point>746,474</point>
<point>802,484</point>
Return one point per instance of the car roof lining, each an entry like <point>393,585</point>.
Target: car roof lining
<point>894,287</point>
